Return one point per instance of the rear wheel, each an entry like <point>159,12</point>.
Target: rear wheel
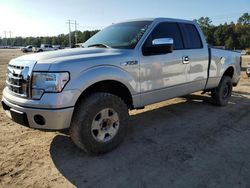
<point>99,123</point>
<point>223,92</point>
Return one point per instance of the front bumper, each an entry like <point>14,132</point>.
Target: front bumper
<point>52,119</point>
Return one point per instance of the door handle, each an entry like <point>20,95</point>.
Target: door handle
<point>129,63</point>
<point>185,60</point>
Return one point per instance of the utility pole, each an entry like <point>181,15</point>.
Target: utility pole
<point>10,38</point>
<point>71,22</point>
<point>76,24</point>
<point>5,36</point>
<point>69,33</point>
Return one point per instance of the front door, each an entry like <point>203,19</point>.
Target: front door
<point>163,76</point>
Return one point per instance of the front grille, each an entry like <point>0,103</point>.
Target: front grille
<point>18,80</point>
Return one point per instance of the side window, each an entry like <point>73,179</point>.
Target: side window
<point>191,36</point>
<point>167,30</point>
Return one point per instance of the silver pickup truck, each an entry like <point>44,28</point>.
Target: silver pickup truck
<point>125,66</point>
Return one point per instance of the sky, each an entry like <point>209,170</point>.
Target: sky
<point>48,17</point>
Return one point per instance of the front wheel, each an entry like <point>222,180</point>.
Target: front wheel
<point>99,123</point>
<point>223,92</point>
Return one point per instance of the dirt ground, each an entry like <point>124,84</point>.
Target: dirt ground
<point>183,142</point>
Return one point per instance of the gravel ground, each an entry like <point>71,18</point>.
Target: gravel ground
<point>183,142</point>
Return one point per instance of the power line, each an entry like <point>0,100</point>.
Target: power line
<point>92,27</point>
<point>228,14</point>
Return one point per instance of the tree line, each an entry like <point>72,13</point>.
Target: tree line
<point>62,39</point>
<point>229,35</point>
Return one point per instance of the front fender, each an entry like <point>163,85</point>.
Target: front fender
<point>96,74</point>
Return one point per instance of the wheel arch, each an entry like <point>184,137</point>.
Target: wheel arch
<point>229,72</point>
<point>109,86</point>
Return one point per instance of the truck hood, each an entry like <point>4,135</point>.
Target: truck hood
<point>60,54</point>
<point>81,57</point>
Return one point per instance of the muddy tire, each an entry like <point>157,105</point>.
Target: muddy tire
<point>223,92</point>
<point>99,123</point>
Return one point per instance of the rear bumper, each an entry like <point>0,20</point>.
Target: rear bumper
<point>52,119</point>
<point>248,71</point>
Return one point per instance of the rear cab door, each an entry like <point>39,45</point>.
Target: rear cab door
<point>195,56</point>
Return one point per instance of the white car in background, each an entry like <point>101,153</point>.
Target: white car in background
<point>44,48</point>
<point>27,49</point>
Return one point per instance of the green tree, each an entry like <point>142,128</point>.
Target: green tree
<point>204,22</point>
<point>86,35</point>
<point>244,19</point>
<point>208,29</point>
<point>229,44</point>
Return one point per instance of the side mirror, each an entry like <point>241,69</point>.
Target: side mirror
<point>159,46</point>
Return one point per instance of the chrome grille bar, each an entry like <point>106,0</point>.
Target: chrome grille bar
<point>18,79</point>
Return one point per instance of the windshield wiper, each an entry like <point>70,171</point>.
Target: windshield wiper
<point>99,45</point>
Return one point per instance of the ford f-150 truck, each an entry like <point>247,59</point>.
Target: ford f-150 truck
<point>125,66</point>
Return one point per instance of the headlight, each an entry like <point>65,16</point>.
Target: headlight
<point>49,82</point>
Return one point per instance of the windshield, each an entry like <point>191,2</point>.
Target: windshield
<point>123,35</point>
